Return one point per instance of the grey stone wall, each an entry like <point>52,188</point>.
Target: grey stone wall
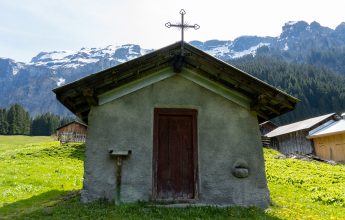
<point>226,132</point>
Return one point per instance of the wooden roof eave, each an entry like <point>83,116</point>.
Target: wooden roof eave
<point>242,80</point>
<point>89,88</point>
<point>238,75</point>
<point>108,79</point>
<point>244,83</point>
<point>85,125</point>
<point>161,54</point>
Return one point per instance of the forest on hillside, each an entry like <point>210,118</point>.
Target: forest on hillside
<point>320,89</point>
<point>17,121</point>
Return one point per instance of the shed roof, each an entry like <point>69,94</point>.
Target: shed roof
<point>266,100</point>
<point>78,122</point>
<point>268,123</point>
<point>300,125</point>
<point>336,127</point>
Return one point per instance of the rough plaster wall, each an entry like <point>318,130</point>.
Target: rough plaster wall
<point>226,132</point>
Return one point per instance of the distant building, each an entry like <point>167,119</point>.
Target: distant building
<point>72,132</point>
<point>329,140</point>
<point>267,127</point>
<point>292,138</point>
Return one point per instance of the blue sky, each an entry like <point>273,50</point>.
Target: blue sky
<point>29,27</point>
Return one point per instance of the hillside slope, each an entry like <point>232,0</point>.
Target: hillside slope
<point>320,90</point>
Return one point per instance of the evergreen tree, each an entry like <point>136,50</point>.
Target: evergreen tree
<point>45,125</point>
<point>18,120</point>
<point>320,90</point>
<point>66,120</point>
<point>53,122</point>
<point>3,122</point>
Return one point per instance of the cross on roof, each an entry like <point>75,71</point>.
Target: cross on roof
<point>182,26</point>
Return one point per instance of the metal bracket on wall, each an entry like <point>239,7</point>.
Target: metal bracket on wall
<point>118,156</point>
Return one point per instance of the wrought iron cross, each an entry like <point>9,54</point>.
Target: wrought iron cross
<point>182,26</point>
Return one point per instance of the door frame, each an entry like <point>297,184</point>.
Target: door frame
<point>175,111</point>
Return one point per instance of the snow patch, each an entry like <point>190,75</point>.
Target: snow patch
<point>56,55</point>
<point>17,68</point>
<point>145,51</point>
<point>74,59</point>
<point>60,82</point>
<point>69,65</point>
<point>291,22</point>
<point>286,47</point>
<point>226,51</point>
<point>219,51</point>
<point>86,60</point>
<point>131,57</point>
<point>251,50</point>
<point>121,60</point>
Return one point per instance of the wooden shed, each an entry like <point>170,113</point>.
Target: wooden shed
<point>265,128</point>
<point>74,131</point>
<point>292,138</point>
<point>329,140</point>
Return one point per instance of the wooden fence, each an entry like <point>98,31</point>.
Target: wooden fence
<point>65,137</point>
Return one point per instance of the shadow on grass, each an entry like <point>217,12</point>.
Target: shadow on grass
<point>70,150</point>
<point>66,205</point>
<point>77,151</point>
<point>36,203</point>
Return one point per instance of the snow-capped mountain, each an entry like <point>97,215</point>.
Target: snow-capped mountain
<point>30,84</point>
<point>242,46</point>
<point>85,56</point>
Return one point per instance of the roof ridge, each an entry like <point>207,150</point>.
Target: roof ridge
<point>299,125</point>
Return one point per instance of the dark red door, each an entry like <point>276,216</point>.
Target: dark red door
<point>175,154</point>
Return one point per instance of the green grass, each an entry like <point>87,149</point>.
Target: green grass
<point>42,181</point>
<point>305,189</point>
<point>18,140</point>
<point>35,175</point>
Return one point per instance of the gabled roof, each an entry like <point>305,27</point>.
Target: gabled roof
<point>333,128</point>
<point>72,122</point>
<point>268,123</point>
<point>266,100</point>
<point>300,125</point>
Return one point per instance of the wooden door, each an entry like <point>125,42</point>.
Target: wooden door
<point>175,154</point>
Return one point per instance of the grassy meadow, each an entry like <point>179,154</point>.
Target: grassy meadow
<point>42,180</point>
<point>19,140</point>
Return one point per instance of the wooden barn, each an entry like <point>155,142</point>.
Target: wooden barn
<point>74,131</point>
<point>292,138</point>
<point>265,128</point>
<point>175,125</point>
<point>329,140</point>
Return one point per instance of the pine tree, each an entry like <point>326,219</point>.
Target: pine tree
<point>320,90</point>
<point>45,124</point>
<point>18,120</point>
<point>3,122</point>
<point>66,120</point>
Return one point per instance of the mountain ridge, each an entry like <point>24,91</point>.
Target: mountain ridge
<point>30,84</point>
